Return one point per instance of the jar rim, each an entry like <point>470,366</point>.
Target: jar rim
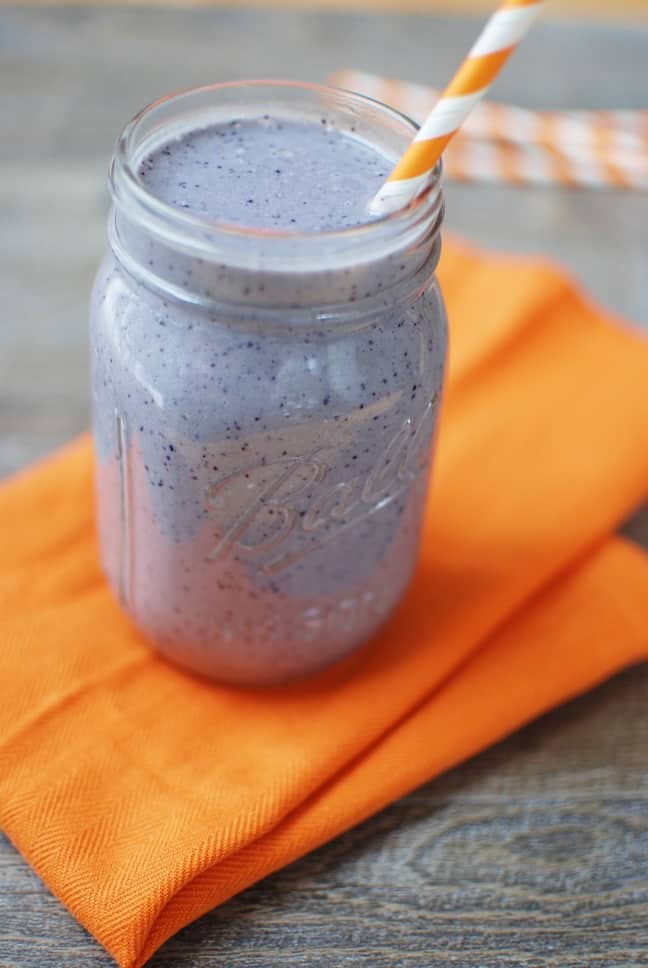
<point>157,241</point>
<point>128,189</point>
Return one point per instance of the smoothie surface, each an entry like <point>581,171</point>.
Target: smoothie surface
<point>269,174</point>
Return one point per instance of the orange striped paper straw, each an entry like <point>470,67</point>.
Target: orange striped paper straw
<point>497,41</point>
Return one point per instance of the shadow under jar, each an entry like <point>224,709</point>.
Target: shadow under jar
<point>267,366</point>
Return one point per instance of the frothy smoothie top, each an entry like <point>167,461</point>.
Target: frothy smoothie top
<point>269,174</point>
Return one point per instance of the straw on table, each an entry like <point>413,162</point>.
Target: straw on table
<point>505,144</point>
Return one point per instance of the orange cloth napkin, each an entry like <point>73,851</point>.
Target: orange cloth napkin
<point>143,796</point>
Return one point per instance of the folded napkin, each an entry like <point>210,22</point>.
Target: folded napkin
<point>143,797</point>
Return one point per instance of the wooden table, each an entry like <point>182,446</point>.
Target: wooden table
<point>534,853</point>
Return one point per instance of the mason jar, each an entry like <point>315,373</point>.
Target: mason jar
<point>265,405</point>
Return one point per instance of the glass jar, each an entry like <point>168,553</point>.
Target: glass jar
<point>264,405</point>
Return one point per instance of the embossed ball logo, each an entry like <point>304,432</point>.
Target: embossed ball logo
<point>279,512</point>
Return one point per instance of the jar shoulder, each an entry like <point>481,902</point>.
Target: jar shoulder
<point>209,370</point>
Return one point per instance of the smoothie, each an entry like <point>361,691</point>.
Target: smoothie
<point>268,173</point>
<point>263,435</point>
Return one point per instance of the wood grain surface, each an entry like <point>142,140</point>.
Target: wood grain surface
<point>533,854</point>
<point>555,9</point>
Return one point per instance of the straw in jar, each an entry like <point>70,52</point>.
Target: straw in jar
<point>497,41</point>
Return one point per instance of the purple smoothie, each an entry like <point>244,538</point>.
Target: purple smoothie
<point>263,430</point>
<point>269,174</point>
